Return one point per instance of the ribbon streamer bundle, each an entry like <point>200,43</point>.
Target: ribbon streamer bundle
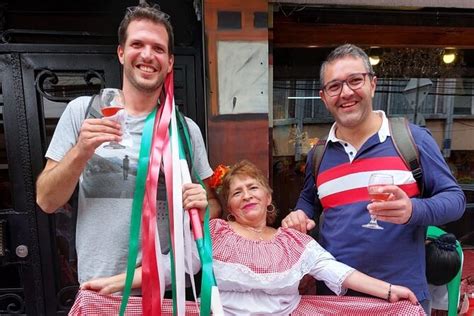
<point>162,145</point>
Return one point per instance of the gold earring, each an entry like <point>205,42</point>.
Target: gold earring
<point>271,208</point>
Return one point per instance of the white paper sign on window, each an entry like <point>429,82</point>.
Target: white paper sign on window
<point>243,77</point>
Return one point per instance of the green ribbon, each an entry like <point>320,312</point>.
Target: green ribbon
<point>138,196</point>
<point>173,270</point>
<point>204,245</point>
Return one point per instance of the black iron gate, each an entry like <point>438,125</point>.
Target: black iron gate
<point>37,256</point>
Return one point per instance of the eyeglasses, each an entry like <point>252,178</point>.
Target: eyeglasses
<point>354,82</point>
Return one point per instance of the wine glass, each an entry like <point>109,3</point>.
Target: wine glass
<point>377,180</point>
<point>112,104</point>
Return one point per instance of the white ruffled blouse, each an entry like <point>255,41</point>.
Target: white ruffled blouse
<point>261,277</point>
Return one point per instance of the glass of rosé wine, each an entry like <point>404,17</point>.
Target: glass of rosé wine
<point>112,103</point>
<point>377,180</point>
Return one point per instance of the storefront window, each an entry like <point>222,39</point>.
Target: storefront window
<point>418,85</point>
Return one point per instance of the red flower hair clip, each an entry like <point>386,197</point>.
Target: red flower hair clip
<point>216,179</point>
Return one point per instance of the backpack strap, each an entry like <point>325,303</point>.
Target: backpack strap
<point>406,148</point>
<point>92,108</point>
<point>318,153</point>
<point>183,130</point>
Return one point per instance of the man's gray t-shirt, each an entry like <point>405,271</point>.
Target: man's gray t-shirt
<point>106,192</point>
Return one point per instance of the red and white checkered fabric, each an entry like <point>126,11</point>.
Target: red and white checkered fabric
<point>349,305</point>
<point>272,256</point>
<point>94,304</point>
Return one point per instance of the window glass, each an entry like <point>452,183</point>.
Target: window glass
<point>415,83</point>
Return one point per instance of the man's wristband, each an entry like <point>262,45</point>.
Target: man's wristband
<point>389,294</point>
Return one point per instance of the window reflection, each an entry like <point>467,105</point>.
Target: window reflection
<point>427,91</point>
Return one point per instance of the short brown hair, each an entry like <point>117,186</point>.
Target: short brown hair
<point>246,168</point>
<point>343,51</point>
<point>144,11</point>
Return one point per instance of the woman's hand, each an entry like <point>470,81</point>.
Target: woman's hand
<point>401,292</point>
<point>361,282</point>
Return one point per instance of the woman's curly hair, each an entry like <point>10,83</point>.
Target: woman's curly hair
<point>248,169</point>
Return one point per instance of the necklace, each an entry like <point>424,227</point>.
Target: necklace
<point>256,230</point>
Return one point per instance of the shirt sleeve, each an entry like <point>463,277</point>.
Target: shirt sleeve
<point>443,200</point>
<point>327,269</point>
<point>308,194</point>
<point>68,128</point>
<point>200,159</point>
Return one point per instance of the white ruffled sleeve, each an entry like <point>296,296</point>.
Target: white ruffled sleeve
<point>324,267</point>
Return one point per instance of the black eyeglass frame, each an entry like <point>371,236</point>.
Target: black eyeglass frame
<point>346,81</point>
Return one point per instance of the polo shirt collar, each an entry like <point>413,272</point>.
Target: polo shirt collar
<point>383,132</point>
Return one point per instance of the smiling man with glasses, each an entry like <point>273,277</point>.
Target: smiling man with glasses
<point>359,144</point>
<point>348,95</point>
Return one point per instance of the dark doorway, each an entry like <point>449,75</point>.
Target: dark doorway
<point>37,251</point>
<point>51,52</point>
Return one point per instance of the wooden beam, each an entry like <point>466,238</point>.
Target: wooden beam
<point>294,34</point>
<point>408,4</point>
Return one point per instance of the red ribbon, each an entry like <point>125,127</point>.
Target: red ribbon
<point>168,170</point>
<point>160,147</point>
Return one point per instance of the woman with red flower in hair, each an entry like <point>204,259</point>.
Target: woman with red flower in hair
<point>258,268</point>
